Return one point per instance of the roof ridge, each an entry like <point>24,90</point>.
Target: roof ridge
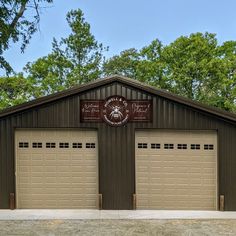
<point>119,78</point>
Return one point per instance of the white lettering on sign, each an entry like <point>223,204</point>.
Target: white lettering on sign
<point>137,108</point>
<point>115,111</point>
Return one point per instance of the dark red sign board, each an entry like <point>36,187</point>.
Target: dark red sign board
<point>141,110</point>
<point>136,110</point>
<point>90,111</point>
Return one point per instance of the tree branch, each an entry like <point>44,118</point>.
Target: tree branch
<point>18,15</point>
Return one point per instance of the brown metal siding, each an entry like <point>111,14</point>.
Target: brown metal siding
<point>116,144</point>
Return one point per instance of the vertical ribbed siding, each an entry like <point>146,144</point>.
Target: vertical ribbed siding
<point>4,171</point>
<point>232,173</point>
<point>116,144</point>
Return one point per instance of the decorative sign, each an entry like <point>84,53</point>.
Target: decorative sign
<point>90,111</point>
<point>141,110</point>
<point>116,111</point>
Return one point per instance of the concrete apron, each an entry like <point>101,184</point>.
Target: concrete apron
<point>111,214</point>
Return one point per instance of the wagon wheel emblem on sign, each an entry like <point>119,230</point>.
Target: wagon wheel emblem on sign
<point>115,111</point>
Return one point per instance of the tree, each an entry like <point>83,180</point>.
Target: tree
<point>144,65</point>
<point>14,90</point>
<point>199,69</point>
<point>16,26</point>
<point>74,60</point>
<point>189,62</point>
<point>225,90</point>
<point>193,66</point>
<point>124,64</point>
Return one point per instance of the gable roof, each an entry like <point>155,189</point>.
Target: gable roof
<point>116,78</point>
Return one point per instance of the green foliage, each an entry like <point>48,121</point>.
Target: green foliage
<point>200,69</point>
<point>125,64</point>
<point>48,74</point>
<point>14,90</point>
<point>195,67</point>
<point>189,63</point>
<point>151,69</point>
<point>144,65</point>
<point>15,26</point>
<point>74,60</point>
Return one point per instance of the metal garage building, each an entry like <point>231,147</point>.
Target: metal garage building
<point>116,143</point>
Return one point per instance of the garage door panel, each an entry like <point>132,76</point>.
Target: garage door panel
<point>64,168</point>
<point>143,190</point>
<point>77,157</point>
<point>143,186</point>
<point>34,163</point>
<point>77,163</point>
<point>24,169</point>
<point>90,180</point>
<point>36,180</point>
<point>24,162</point>
<point>51,157</point>
<point>56,173</point>
<point>36,169</point>
<point>190,170</point>
<point>43,174</point>
<point>90,190</point>
<point>35,156</point>
<point>77,169</point>
<point>90,169</point>
<point>89,185</point>
<point>142,180</point>
<point>63,164</point>
<point>24,157</point>
<point>24,185</point>
<point>170,177</point>
<point>90,154</point>
<point>47,163</point>
<point>24,190</point>
<point>76,174</point>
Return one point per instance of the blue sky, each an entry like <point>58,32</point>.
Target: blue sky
<point>124,24</point>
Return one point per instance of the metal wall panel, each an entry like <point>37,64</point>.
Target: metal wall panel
<point>116,144</point>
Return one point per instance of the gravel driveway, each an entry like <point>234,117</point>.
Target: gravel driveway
<point>118,227</point>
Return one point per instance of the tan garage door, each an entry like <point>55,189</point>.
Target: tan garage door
<point>176,170</point>
<point>56,169</point>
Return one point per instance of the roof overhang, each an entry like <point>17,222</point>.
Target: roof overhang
<point>130,82</point>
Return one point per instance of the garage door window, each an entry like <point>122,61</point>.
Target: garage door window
<point>23,144</point>
<point>208,147</point>
<point>182,146</point>
<point>195,146</point>
<point>142,145</point>
<point>168,146</point>
<point>37,145</point>
<point>77,145</point>
<point>90,145</point>
<point>155,145</point>
<point>63,145</point>
<point>50,145</point>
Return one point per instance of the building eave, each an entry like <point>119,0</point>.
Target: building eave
<point>130,82</point>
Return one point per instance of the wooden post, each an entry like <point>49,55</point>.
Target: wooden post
<point>100,201</point>
<point>12,201</point>
<point>222,202</point>
<point>134,201</point>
